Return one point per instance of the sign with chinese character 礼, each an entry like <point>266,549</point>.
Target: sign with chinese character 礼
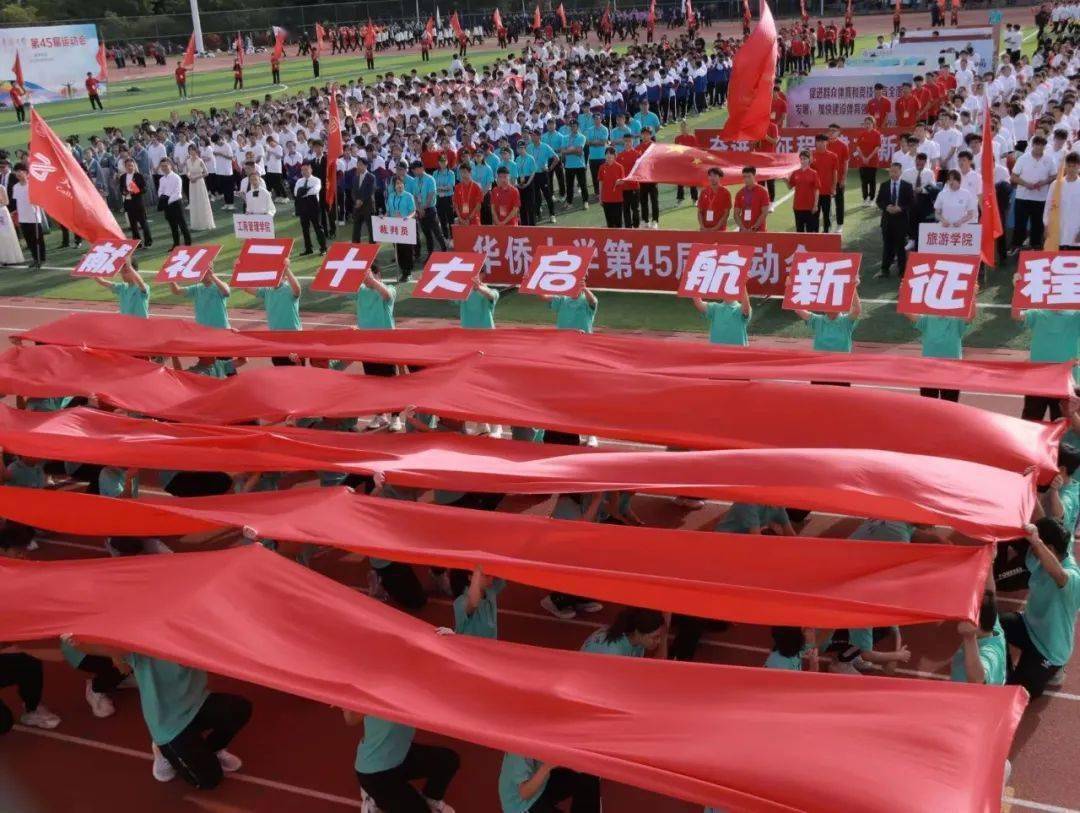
<point>344,267</point>
<point>716,272</point>
<point>939,284</point>
<point>261,262</point>
<point>937,239</point>
<point>823,283</point>
<point>187,264</point>
<point>246,227</point>
<point>394,229</point>
<point>449,275</point>
<point>558,271</point>
<point>105,258</point>
<point>1047,280</point>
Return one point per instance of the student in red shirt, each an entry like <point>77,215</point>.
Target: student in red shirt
<point>768,144</point>
<point>631,214</point>
<point>879,107</point>
<point>820,40</point>
<point>687,140</point>
<point>275,70</point>
<point>238,75</point>
<point>840,149</point>
<point>923,96</point>
<point>467,197</point>
<point>806,201</point>
<point>864,154</point>
<point>92,92</point>
<point>181,79</point>
<point>827,167</point>
<point>505,200</point>
<point>751,203</point>
<point>714,204</point>
<point>907,107</point>
<point>779,106</point>
<point>611,176</point>
<point>18,101</point>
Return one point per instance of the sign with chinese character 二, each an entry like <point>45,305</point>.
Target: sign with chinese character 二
<point>104,259</point>
<point>449,275</point>
<point>187,264</point>
<point>558,271</point>
<point>939,284</point>
<point>823,283</point>
<point>1047,280</point>
<point>937,239</point>
<point>344,267</point>
<point>247,226</point>
<point>261,263</point>
<point>394,229</point>
<point>716,272</point>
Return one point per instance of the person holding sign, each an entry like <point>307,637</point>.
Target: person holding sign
<point>955,206</point>
<point>1055,337</point>
<point>751,202</point>
<point>282,305</point>
<point>527,784</point>
<point>942,338</point>
<point>211,296</point>
<point>727,320</point>
<point>400,203</point>
<point>833,331</point>
<point>477,310</point>
<point>806,200</point>
<point>131,291</point>
<point>574,312</point>
<point>505,200</point>
<point>714,203</point>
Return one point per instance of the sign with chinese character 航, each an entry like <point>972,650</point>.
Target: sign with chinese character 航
<point>939,284</point>
<point>261,262</point>
<point>937,239</point>
<point>822,282</point>
<point>246,227</point>
<point>344,267</point>
<point>187,264</point>
<point>716,272</point>
<point>449,275</point>
<point>105,258</point>
<point>1047,280</point>
<point>394,229</point>
<point>558,270</point>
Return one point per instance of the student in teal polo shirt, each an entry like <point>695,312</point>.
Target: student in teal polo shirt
<point>982,655</point>
<point>748,518</point>
<point>855,648</point>
<point>942,338</point>
<point>573,158</point>
<point>597,139</point>
<point>889,530</point>
<point>375,303</point>
<point>476,609</point>
<point>833,331</point>
<point>445,180</point>
<point>574,312</point>
<point>790,645</point>
<point>547,164</point>
<point>1055,336</point>
<point>526,186</point>
<point>634,632</point>
<point>646,119</point>
<point>24,472</point>
<point>619,130</point>
<point>387,760</point>
<point>477,310</point>
<point>1063,495</point>
<point>131,291</point>
<point>528,784</point>
<point>282,305</point>
<point>555,141</point>
<point>727,320</point>
<point>211,296</point>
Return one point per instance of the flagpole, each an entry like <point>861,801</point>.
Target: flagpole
<point>196,26</point>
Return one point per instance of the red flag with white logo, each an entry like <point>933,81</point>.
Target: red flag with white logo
<point>344,268</point>
<point>334,148</point>
<point>187,264</point>
<point>449,275</point>
<point>496,19</point>
<point>558,270</point>
<point>455,25</point>
<point>939,284</point>
<point>105,258</point>
<point>537,19</point>
<point>261,262</point>
<point>822,282</point>
<point>189,53</point>
<point>716,272</point>
<point>429,29</point>
<point>651,20</point>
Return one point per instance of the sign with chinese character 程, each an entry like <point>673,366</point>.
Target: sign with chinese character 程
<point>1047,280</point>
<point>394,229</point>
<point>939,284</point>
<point>261,262</point>
<point>823,283</point>
<point>246,227</point>
<point>716,272</point>
<point>449,275</point>
<point>344,267</point>
<point>558,270</point>
<point>187,264</point>
<point>105,258</point>
<point>937,239</point>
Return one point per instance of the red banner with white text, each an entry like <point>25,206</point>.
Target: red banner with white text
<point>794,139</point>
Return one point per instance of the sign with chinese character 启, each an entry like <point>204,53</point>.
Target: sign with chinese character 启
<point>394,229</point>
<point>105,258</point>
<point>187,264</point>
<point>939,284</point>
<point>449,275</point>
<point>937,239</point>
<point>261,262</point>
<point>823,283</point>
<point>1047,280</point>
<point>716,272</point>
<point>558,270</point>
<point>344,267</point>
<point>247,226</point>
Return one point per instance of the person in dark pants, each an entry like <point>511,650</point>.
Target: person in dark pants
<point>400,203</point>
<point>132,188</point>
<point>648,194</point>
<point>1053,339</point>
<point>522,779</point>
<point>25,672</point>
<point>894,198</point>
<point>30,217</point>
<point>308,196</point>
<point>363,201</point>
<point>1032,175</point>
<point>573,157</point>
<point>171,202</point>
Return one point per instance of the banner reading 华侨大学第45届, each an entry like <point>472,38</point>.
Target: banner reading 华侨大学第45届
<point>55,60</point>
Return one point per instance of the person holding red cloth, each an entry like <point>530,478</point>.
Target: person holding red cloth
<point>714,204</point>
<point>631,213</point>
<point>840,149</point>
<point>806,202</point>
<point>908,107</point>
<point>505,200</point>
<point>467,197</point>
<point>751,203</point>
<point>610,175</point>
<point>826,165</point>
<point>92,92</point>
<point>864,154</point>
<point>879,107</point>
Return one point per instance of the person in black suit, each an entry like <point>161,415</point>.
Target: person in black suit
<point>363,201</point>
<point>307,193</point>
<point>132,187</point>
<point>895,199</point>
<point>327,220</point>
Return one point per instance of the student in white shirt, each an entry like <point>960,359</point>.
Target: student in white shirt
<point>970,178</point>
<point>171,202</point>
<point>949,140</point>
<point>30,217</point>
<point>1032,175</point>
<point>955,206</point>
<point>1069,218</point>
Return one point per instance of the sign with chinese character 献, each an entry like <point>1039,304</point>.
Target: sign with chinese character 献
<point>823,283</point>
<point>246,227</point>
<point>105,258</point>
<point>716,272</point>
<point>187,264</point>
<point>939,284</point>
<point>261,262</point>
<point>394,229</point>
<point>449,275</point>
<point>1047,280</point>
<point>937,239</point>
<point>558,271</point>
<point>344,267</point>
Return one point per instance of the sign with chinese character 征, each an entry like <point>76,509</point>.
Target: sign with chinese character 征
<point>939,284</point>
<point>187,264</point>
<point>716,272</point>
<point>394,229</point>
<point>344,267</point>
<point>1047,280</point>
<point>105,258</point>
<point>261,262</point>
<point>937,239</point>
<point>449,275</point>
<point>558,271</point>
<point>246,227</point>
<point>823,283</point>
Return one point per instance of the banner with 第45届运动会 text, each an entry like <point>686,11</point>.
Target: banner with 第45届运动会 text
<point>54,59</point>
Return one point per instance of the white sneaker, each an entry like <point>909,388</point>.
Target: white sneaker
<point>100,704</point>
<point>839,230</point>
<point>549,605</point>
<point>162,771</point>
<point>553,220</point>
<point>378,422</point>
<point>230,763</point>
<point>367,804</point>
<point>772,208</point>
<point>396,424</point>
<point>656,224</point>
<point>845,668</point>
<point>438,806</point>
<point>1058,680</point>
<point>375,588</point>
<point>40,717</point>
<point>228,207</point>
<point>589,606</point>
<point>591,441</point>
<point>586,206</point>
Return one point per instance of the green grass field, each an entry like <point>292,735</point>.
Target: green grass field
<point>155,99</point>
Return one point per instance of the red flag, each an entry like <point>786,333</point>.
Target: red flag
<point>562,14</point>
<point>802,11</point>
<point>429,29</point>
<point>848,13</point>
<point>683,165</point>
<point>17,70</point>
<point>189,53</point>
<point>279,43</point>
<point>496,20</point>
<point>334,148</point>
<point>537,20</point>
<point>239,46</point>
<point>990,220</point>
<point>369,34</point>
<point>896,8</point>
<point>455,25</point>
<point>651,18</point>
<point>605,20</point>
<point>753,73</point>
<point>103,64</point>
<point>690,16</point>
<point>746,10</point>
<point>320,33</point>
<point>63,189</point>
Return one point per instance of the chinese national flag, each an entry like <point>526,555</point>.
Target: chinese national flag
<point>689,166</point>
<point>990,221</point>
<point>239,49</point>
<point>753,73</point>
<point>334,148</point>
<point>455,25</point>
<point>279,43</point>
<point>562,14</point>
<point>103,64</point>
<point>189,53</point>
<point>537,21</point>
<point>320,34</point>
<point>496,19</point>
<point>17,70</point>
<point>60,186</point>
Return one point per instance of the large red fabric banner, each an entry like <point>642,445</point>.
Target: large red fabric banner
<point>707,734</point>
<point>815,582</point>
<point>796,139</point>
<point>634,259</point>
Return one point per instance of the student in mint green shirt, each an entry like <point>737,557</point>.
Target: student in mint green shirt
<point>476,609</point>
<point>833,331</point>
<point>477,310</point>
<point>211,296</point>
<point>982,655</point>
<point>889,530</point>
<point>618,131</point>
<point>596,136</point>
<point>727,320</point>
<point>387,759</point>
<point>1063,495</point>
<point>282,303</point>
<point>748,518</point>
<point>131,291</point>
<point>24,472</point>
<point>646,119</point>
<point>1055,336</point>
<point>526,784</point>
<point>574,313</point>
<point>942,338</point>
<point>634,632</point>
<point>789,646</point>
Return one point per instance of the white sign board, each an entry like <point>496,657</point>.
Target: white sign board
<point>394,229</point>
<point>936,239</point>
<point>54,58</point>
<point>246,227</point>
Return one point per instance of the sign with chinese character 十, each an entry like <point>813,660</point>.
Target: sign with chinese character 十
<point>246,227</point>
<point>394,229</point>
<point>104,259</point>
<point>558,271</point>
<point>716,272</point>
<point>344,267</point>
<point>939,284</point>
<point>823,283</point>
<point>937,239</point>
<point>187,264</point>
<point>1047,280</point>
<point>261,262</point>
<point>449,275</point>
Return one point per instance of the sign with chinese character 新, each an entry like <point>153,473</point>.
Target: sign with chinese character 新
<point>261,262</point>
<point>187,264</point>
<point>105,258</point>
<point>558,270</point>
<point>716,272</point>
<point>937,239</point>
<point>344,267</point>
<point>246,227</point>
<point>449,275</point>
<point>394,229</point>
<point>939,284</point>
<point>1047,280</point>
<point>823,283</point>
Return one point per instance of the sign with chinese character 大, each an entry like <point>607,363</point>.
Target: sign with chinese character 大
<point>939,284</point>
<point>247,226</point>
<point>716,272</point>
<point>823,283</point>
<point>187,264</point>
<point>1047,280</point>
<point>344,267</point>
<point>394,229</point>
<point>105,258</point>
<point>449,275</point>
<point>261,262</point>
<point>937,239</point>
<point>558,270</point>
